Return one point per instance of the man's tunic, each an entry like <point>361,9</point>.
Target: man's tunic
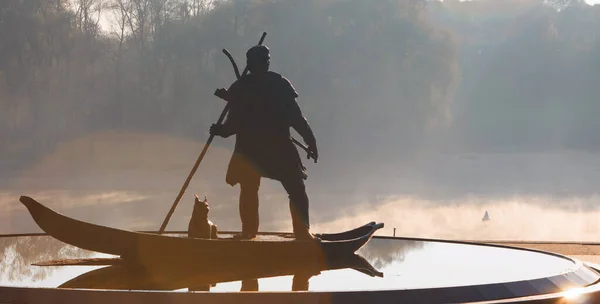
<point>262,110</point>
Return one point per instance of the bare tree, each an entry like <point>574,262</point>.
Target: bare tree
<point>87,17</point>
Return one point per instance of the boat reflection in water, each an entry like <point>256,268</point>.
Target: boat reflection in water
<point>121,276</point>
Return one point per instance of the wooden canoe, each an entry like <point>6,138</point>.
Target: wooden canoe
<point>124,277</point>
<point>154,250</point>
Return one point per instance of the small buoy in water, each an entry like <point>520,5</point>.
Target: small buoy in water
<point>486,217</point>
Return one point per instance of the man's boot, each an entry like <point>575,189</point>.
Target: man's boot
<point>244,236</point>
<point>302,233</point>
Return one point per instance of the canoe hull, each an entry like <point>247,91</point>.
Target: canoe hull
<point>158,250</point>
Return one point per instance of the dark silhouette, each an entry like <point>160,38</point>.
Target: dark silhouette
<point>200,226</point>
<point>300,281</point>
<point>204,287</point>
<point>263,108</point>
<point>249,285</point>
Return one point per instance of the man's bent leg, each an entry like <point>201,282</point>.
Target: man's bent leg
<point>249,206</point>
<point>298,207</point>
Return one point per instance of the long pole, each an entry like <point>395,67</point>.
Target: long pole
<point>200,157</point>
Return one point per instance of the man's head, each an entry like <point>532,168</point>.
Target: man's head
<point>258,59</point>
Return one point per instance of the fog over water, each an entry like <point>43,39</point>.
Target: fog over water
<point>427,114</point>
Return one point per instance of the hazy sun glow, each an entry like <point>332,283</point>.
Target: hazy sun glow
<point>573,293</point>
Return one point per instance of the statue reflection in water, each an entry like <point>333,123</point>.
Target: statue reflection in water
<point>299,283</point>
<point>130,277</point>
<point>247,285</point>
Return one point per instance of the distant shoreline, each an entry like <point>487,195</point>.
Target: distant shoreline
<point>564,248</point>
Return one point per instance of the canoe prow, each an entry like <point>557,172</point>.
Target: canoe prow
<point>31,205</point>
<point>351,234</point>
<point>77,233</point>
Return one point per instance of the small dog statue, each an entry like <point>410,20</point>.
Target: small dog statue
<point>200,226</point>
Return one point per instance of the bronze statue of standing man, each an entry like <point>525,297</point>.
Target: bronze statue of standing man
<point>263,107</point>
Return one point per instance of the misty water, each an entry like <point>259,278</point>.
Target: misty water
<point>130,181</point>
<point>427,114</point>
